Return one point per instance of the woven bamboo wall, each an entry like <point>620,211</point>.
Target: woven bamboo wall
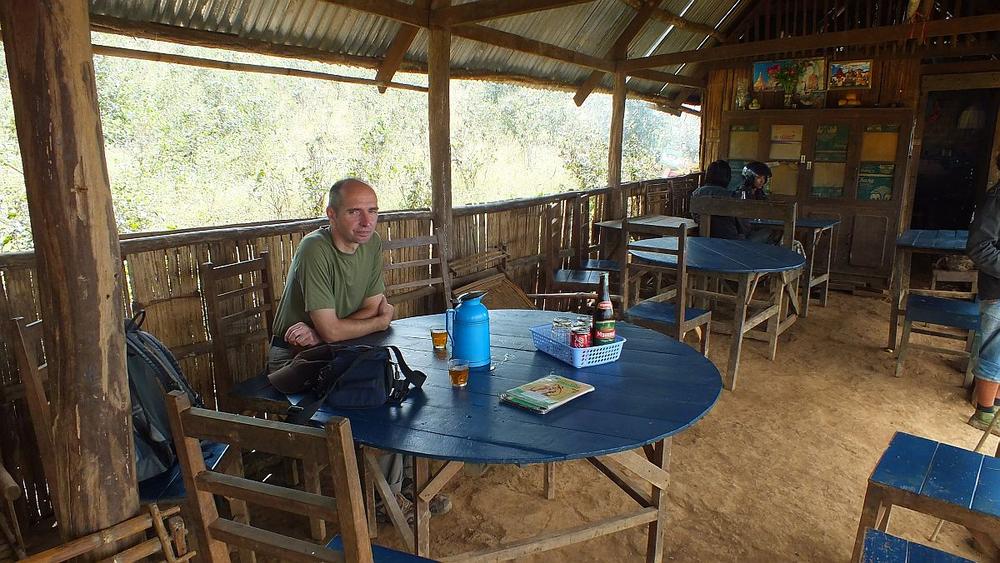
<point>162,278</point>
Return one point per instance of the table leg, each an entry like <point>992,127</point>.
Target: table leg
<point>777,287</point>
<point>812,243</point>
<point>739,320</point>
<point>657,528</point>
<point>550,480</point>
<point>368,489</point>
<point>422,517</point>
<point>900,270</point>
<point>829,269</point>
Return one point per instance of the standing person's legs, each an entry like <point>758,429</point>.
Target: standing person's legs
<point>987,368</point>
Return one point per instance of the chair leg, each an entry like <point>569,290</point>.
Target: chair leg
<point>869,516</point>
<point>904,344</point>
<point>706,334</point>
<point>973,349</point>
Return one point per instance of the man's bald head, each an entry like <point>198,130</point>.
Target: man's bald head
<point>336,196</point>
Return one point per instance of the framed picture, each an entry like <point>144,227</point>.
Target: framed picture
<point>850,74</point>
<point>813,75</point>
<point>763,75</point>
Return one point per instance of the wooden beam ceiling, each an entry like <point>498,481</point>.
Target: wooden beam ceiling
<point>617,51</point>
<point>483,10</point>
<point>806,43</point>
<point>499,38</point>
<point>397,50</point>
<point>392,9</point>
<point>670,18</point>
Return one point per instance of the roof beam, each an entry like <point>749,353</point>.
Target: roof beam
<point>392,9</point>
<point>482,10</point>
<point>936,28</point>
<point>619,50</point>
<point>397,50</point>
<point>514,42</point>
<point>669,78</point>
<point>677,21</point>
<point>243,67</point>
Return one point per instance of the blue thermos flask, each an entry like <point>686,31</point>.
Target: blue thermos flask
<point>468,325</point>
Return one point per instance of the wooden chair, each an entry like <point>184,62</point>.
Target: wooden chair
<point>585,242</point>
<point>666,312</point>
<point>164,488</point>
<point>942,312</point>
<point>333,445</point>
<point>425,258</point>
<point>240,303</point>
<point>168,543</point>
<point>880,547</point>
<point>932,478</point>
<point>11,541</point>
<point>558,278</point>
<point>705,208</point>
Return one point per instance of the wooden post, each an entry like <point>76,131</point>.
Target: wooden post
<point>51,67</point>
<point>616,205</point>
<point>439,119</point>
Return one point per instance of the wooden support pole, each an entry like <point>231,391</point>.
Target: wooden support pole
<point>439,120</point>
<point>53,89</point>
<point>616,205</point>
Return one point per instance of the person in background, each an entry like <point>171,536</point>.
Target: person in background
<point>717,178</point>
<point>984,250</point>
<point>756,175</point>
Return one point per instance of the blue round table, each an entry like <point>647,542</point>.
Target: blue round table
<point>656,389</point>
<point>746,262</point>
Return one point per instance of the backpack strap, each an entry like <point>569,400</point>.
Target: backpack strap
<point>411,376</point>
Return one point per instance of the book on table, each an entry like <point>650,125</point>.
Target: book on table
<point>545,394</point>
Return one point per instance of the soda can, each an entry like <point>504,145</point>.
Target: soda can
<point>580,337</point>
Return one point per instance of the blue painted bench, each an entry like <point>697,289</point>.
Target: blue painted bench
<point>940,311</point>
<point>932,478</point>
<point>168,487</point>
<point>880,547</point>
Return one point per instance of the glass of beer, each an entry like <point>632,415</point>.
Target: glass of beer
<point>439,336</point>
<point>459,372</point>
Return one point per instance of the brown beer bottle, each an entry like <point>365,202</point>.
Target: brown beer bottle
<point>604,316</point>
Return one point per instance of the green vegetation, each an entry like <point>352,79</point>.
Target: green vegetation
<point>190,147</point>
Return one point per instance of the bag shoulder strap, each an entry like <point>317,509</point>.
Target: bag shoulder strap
<point>412,376</point>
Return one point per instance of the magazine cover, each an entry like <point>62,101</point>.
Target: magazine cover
<point>545,394</point>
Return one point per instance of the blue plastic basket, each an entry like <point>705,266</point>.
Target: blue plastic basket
<point>576,357</point>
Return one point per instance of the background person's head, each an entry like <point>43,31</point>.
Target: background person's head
<point>755,175</point>
<point>718,173</point>
<point>352,208</point>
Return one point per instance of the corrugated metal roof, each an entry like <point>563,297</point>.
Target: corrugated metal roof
<point>589,28</point>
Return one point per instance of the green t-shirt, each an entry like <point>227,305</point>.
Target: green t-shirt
<point>322,277</point>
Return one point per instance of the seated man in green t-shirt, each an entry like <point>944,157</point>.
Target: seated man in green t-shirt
<point>335,292</point>
<point>334,289</point>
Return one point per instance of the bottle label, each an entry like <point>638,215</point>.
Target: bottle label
<point>604,305</point>
<point>604,332</point>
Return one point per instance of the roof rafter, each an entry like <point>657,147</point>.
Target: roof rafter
<point>482,10</point>
<point>619,50</point>
<point>392,9</point>
<point>670,18</point>
<point>514,42</point>
<point>903,32</point>
<point>397,50</point>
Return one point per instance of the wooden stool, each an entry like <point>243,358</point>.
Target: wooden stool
<point>940,311</point>
<point>932,478</point>
<point>881,547</point>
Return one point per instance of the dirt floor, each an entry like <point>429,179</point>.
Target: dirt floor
<point>777,470</point>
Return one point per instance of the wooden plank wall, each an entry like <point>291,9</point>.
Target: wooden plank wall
<point>162,278</point>
<point>895,83</point>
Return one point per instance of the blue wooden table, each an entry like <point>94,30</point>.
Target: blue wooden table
<point>918,241</point>
<point>657,388</point>
<point>747,262</point>
<point>814,229</point>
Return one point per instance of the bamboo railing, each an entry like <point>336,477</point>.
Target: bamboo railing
<point>161,270</point>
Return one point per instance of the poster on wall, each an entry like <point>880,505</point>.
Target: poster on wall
<point>831,143</point>
<point>875,181</point>
<point>812,77</point>
<point>850,74</point>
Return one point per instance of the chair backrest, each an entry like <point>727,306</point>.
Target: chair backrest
<point>33,370</point>
<point>554,250</point>
<point>168,542</point>
<point>631,273</point>
<point>241,306</point>
<point>706,207</point>
<point>424,258</point>
<point>333,445</point>
<point>581,234</point>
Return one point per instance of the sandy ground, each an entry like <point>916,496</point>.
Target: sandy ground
<point>777,470</point>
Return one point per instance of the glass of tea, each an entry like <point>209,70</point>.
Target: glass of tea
<point>458,370</point>
<point>439,336</point>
